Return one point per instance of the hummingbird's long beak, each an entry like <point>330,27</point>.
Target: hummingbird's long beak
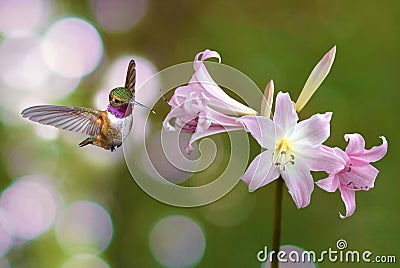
<point>141,105</point>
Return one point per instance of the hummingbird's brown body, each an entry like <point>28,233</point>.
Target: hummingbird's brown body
<point>113,130</point>
<point>106,129</point>
<point>110,136</point>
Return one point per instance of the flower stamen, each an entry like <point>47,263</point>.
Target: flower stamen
<point>283,156</point>
<point>349,167</point>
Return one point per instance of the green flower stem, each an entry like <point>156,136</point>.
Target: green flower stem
<point>276,235</point>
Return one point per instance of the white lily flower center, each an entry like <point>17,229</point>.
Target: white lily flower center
<point>283,155</point>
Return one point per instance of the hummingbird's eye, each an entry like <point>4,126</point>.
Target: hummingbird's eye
<point>116,101</point>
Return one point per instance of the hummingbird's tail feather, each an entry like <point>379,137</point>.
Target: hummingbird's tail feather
<point>130,80</point>
<point>141,105</point>
<point>89,140</point>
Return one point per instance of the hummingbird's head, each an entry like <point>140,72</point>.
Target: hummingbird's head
<point>120,97</point>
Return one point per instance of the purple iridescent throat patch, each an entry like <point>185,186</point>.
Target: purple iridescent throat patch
<point>118,112</point>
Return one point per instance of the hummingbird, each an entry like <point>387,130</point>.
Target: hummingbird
<point>106,129</point>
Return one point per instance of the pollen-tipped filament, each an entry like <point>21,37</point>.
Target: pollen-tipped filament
<point>283,156</point>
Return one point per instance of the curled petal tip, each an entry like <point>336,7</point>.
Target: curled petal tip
<point>384,142</point>
<point>206,54</point>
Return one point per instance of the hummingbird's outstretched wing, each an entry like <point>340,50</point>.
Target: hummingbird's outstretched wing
<point>131,77</point>
<point>84,120</point>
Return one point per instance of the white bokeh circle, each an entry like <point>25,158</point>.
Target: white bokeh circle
<point>177,241</point>
<point>84,226</point>
<point>72,47</point>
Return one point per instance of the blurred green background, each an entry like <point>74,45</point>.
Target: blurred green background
<point>64,206</point>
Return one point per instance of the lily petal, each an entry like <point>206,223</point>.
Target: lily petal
<point>375,153</point>
<point>315,79</point>
<point>183,93</point>
<point>262,129</point>
<point>267,101</point>
<point>329,184</point>
<point>319,159</point>
<point>356,144</point>
<point>314,130</point>
<point>285,117</point>
<point>202,56</point>
<point>222,119</point>
<point>203,79</point>
<point>299,182</point>
<point>210,131</point>
<point>339,153</point>
<point>216,123</point>
<point>260,172</point>
<point>349,199</point>
<point>203,123</point>
<point>172,114</point>
<point>359,177</point>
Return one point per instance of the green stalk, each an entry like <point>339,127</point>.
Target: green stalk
<point>276,235</point>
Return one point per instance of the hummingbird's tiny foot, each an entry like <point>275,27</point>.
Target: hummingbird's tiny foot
<point>89,140</point>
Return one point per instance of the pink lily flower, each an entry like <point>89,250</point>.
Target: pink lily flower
<point>202,107</point>
<point>357,173</point>
<point>293,149</point>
